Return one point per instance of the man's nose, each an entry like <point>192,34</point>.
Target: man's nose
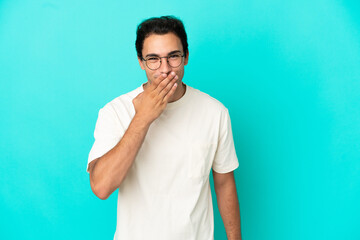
<point>165,67</point>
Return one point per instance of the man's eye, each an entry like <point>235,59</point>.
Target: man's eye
<point>153,59</point>
<point>174,56</point>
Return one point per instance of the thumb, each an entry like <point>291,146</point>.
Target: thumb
<point>139,95</point>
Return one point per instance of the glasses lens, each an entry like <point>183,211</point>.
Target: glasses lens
<point>175,60</point>
<point>153,63</point>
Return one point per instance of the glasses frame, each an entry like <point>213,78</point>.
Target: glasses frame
<point>167,60</point>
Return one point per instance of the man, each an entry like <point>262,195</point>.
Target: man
<point>158,143</point>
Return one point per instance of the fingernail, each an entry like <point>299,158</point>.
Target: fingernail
<point>173,73</point>
<point>176,77</point>
<point>164,75</point>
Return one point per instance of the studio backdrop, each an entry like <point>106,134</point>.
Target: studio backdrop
<point>288,71</point>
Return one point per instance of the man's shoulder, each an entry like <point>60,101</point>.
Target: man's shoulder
<point>123,101</point>
<point>204,99</point>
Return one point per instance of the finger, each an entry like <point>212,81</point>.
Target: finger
<point>165,82</point>
<point>168,87</point>
<point>170,93</point>
<point>154,84</point>
<point>139,95</point>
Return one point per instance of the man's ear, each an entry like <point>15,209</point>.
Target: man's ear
<point>141,64</point>
<point>186,58</point>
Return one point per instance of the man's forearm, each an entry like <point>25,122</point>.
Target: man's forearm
<point>107,173</point>
<point>229,209</point>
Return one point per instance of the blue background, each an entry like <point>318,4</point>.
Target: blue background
<point>288,71</point>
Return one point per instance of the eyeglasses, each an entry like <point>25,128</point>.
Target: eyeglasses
<point>154,62</point>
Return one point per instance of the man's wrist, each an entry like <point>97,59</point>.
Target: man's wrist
<point>141,122</point>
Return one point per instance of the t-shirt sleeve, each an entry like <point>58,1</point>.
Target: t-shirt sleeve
<point>107,134</point>
<point>225,157</point>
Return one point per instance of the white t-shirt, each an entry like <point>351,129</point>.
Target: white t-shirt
<point>166,192</point>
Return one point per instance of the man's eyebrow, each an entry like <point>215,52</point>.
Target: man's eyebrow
<point>152,55</point>
<point>156,55</point>
<point>172,52</point>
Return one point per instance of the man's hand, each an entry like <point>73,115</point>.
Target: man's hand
<point>152,102</point>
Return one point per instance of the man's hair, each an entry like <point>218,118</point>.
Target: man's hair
<point>160,25</point>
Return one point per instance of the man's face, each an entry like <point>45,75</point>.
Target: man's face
<point>162,46</point>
